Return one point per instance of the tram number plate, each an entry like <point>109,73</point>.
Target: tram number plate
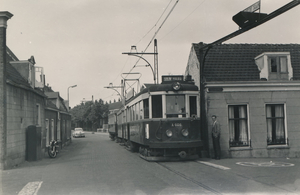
<point>176,125</point>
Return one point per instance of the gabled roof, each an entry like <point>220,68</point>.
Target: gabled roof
<point>235,62</point>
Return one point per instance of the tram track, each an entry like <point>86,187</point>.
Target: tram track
<point>189,179</point>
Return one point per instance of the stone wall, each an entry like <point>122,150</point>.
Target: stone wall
<point>21,113</point>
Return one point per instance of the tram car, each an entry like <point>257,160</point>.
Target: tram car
<point>162,121</point>
<point>112,125</point>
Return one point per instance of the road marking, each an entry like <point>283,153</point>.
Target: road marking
<point>31,188</point>
<point>265,164</point>
<point>214,165</point>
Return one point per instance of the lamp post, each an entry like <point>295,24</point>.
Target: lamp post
<point>68,93</point>
<point>139,55</point>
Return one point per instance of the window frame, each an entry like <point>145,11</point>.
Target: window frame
<point>172,114</point>
<point>272,144</point>
<point>278,74</point>
<point>237,143</point>
<point>38,114</point>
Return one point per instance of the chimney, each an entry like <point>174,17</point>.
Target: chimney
<point>4,16</point>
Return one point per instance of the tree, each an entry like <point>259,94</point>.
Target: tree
<point>89,114</point>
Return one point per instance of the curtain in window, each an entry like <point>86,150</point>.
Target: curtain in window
<point>279,122</point>
<point>269,124</point>
<point>243,125</point>
<point>283,64</point>
<point>231,123</point>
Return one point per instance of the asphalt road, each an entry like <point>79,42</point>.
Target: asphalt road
<point>96,165</point>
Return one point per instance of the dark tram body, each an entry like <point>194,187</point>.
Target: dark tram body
<point>162,121</point>
<point>112,125</point>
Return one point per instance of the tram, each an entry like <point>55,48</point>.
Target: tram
<point>162,121</point>
<point>112,125</point>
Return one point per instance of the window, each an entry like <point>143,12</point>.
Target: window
<point>238,126</point>
<point>156,106</point>
<point>137,110</point>
<point>141,110</point>
<point>274,66</point>
<point>278,67</point>
<point>52,130</point>
<point>47,131</point>
<point>175,106</point>
<point>38,115</point>
<point>133,112</point>
<point>146,108</point>
<point>193,105</point>
<point>58,129</point>
<point>275,124</point>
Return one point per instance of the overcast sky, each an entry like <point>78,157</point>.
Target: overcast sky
<point>80,42</point>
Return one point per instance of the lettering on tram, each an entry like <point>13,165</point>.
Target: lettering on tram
<point>161,121</point>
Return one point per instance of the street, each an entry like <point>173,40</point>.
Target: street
<point>96,165</point>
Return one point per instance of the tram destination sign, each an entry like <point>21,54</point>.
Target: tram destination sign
<point>172,78</point>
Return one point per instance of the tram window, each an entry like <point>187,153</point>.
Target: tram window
<point>146,108</point>
<point>141,110</point>
<point>128,114</point>
<point>157,106</point>
<point>137,107</point>
<point>175,106</point>
<point>193,105</point>
<point>133,112</point>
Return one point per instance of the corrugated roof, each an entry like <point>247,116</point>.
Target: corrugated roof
<point>235,62</point>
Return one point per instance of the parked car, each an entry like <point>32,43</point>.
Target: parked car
<point>78,132</point>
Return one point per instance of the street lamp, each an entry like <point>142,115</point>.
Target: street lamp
<point>68,92</point>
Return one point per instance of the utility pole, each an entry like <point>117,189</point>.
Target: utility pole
<point>140,55</point>
<point>248,24</point>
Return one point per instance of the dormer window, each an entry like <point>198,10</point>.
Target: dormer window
<point>275,66</point>
<point>278,68</point>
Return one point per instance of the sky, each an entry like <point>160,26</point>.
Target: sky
<point>80,42</point>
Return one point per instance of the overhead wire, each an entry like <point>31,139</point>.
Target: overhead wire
<point>183,20</point>
<point>155,23</point>
<point>156,30</point>
<point>156,33</point>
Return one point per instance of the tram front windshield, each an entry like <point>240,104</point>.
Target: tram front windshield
<point>175,106</point>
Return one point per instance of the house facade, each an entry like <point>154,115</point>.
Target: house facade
<point>254,91</point>
<point>26,111</point>
<point>57,119</point>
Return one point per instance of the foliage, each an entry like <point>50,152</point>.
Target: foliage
<point>89,114</point>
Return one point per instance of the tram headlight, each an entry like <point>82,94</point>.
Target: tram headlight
<point>169,133</point>
<point>185,132</point>
<point>176,86</point>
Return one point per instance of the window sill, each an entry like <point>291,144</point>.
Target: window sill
<point>278,147</point>
<point>240,148</point>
